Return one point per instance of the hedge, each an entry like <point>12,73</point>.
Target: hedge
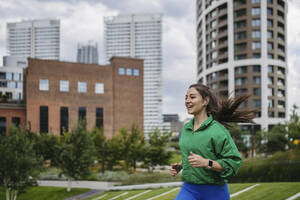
<point>282,166</point>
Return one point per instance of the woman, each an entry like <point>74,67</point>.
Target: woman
<point>209,155</point>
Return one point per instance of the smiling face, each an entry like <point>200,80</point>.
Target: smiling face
<point>194,102</point>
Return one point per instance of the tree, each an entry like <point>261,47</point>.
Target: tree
<point>293,126</point>
<point>137,146</point>
<point>46,147</point>
<point>19,164</point>
<point>156,153</point>
<point>100,146</point>
<point>76,153</point>
<point>236,134</point>
<point>276,139</point>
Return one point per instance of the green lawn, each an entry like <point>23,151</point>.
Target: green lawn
<point>49,193</point>
<point>265,191</point>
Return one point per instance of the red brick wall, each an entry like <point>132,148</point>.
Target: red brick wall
<point>122,99</point>
<point>9,113</point>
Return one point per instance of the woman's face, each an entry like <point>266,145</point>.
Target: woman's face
<point>194,102</point>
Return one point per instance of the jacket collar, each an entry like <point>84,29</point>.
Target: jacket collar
<point>206,123</point>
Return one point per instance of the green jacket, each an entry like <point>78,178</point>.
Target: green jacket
<point>212,141</point>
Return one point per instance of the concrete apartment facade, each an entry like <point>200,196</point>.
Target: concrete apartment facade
<point>57,93</point>
<point>34,38</point>
<point>242,48</point>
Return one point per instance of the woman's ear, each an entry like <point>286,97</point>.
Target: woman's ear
<point>206,100</point>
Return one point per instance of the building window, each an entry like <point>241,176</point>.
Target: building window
<point>240,47</point>
<point>256,68</point>
<point>270,103</point>
<point>128,71</point>
<point>256,103</point>
<point>255,22</point>
<point>240,70</point>
<point>9,76</point>
<point>269,11</point>
<point>64,86</point>
<point>241,81</point>
<point>256,34</point>
<point>16,121</point>
<point>255,11</point>
<point>44,84</point>
<point>255,1</point>
<point>270,23</point>
<point>281,114</point>
<point>270,80</point>
<point>239,13</point>
<point>270,46</point>
<point>241,91</point>
<point>213,24</point>
<point>2,126</point>
<point>214,55</point>
<point>270,92</point>
<point>43,119</point>
<point>270,114</point>
<point>240,57</point>
<point>136,72</point>
<point>240,35</point>
<point>257,91</point>
<point>256,80</point>
<point>64,119</point>
<point>270,56</point>
<point>99,117</point>
<point>99,88</point>
<point>82,87</point>
<point>270,69</point>
<point>255,45</point>
<point>240,24</point>
<point>270,34</point>
<point>213,34</point>
<point>280,82</point>
<point>82,113</point>
<point>281,93</point>
<point>121,71</point>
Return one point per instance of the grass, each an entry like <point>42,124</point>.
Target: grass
<point>49,193</point>
<point>265,191</point>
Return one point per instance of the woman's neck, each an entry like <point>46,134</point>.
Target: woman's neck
<point>199,119</point>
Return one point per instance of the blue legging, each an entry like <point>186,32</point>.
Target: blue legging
<point>191,191</point>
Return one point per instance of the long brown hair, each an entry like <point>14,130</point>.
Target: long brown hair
<point>225,110</point>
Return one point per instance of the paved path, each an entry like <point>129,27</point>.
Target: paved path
<point>96,185</point>
<point>86,195</point>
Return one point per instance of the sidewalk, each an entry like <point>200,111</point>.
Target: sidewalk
<point>98,185</point>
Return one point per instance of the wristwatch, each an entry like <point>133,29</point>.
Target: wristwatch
<point>210,164</point>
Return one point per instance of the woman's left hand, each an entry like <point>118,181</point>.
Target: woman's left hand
<point>197,160</point>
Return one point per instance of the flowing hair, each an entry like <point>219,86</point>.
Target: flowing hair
<point>225,110</point>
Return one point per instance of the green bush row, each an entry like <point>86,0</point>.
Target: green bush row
<point>282,166</point>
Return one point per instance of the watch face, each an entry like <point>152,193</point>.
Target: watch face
<point>210,163</point>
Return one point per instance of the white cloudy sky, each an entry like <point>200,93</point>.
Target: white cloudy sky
<point>83,20</point>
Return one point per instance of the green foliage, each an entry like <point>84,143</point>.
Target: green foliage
<point>276,139</point>
<point>293,126</point>
<point>46,146</point>
<point>100,144</point>
<point>156,153</point>
<point>19,164</point>
<point>236,134</point>
<point>282,166</point>
<point>75,153</point>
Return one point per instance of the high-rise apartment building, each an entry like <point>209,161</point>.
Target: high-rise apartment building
<point>242,48</point>
<point>87,53</point>
<point>34,38</point>
<point>140,36</point>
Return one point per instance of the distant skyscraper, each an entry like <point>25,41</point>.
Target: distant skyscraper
<point>34,38</point>
<point>242,48</point>
<point>140,36</point>
<point>87,53</point>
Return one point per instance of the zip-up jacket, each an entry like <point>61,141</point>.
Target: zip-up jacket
<point>211,141</point>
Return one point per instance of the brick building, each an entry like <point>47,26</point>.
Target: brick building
<point>57,94</point>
